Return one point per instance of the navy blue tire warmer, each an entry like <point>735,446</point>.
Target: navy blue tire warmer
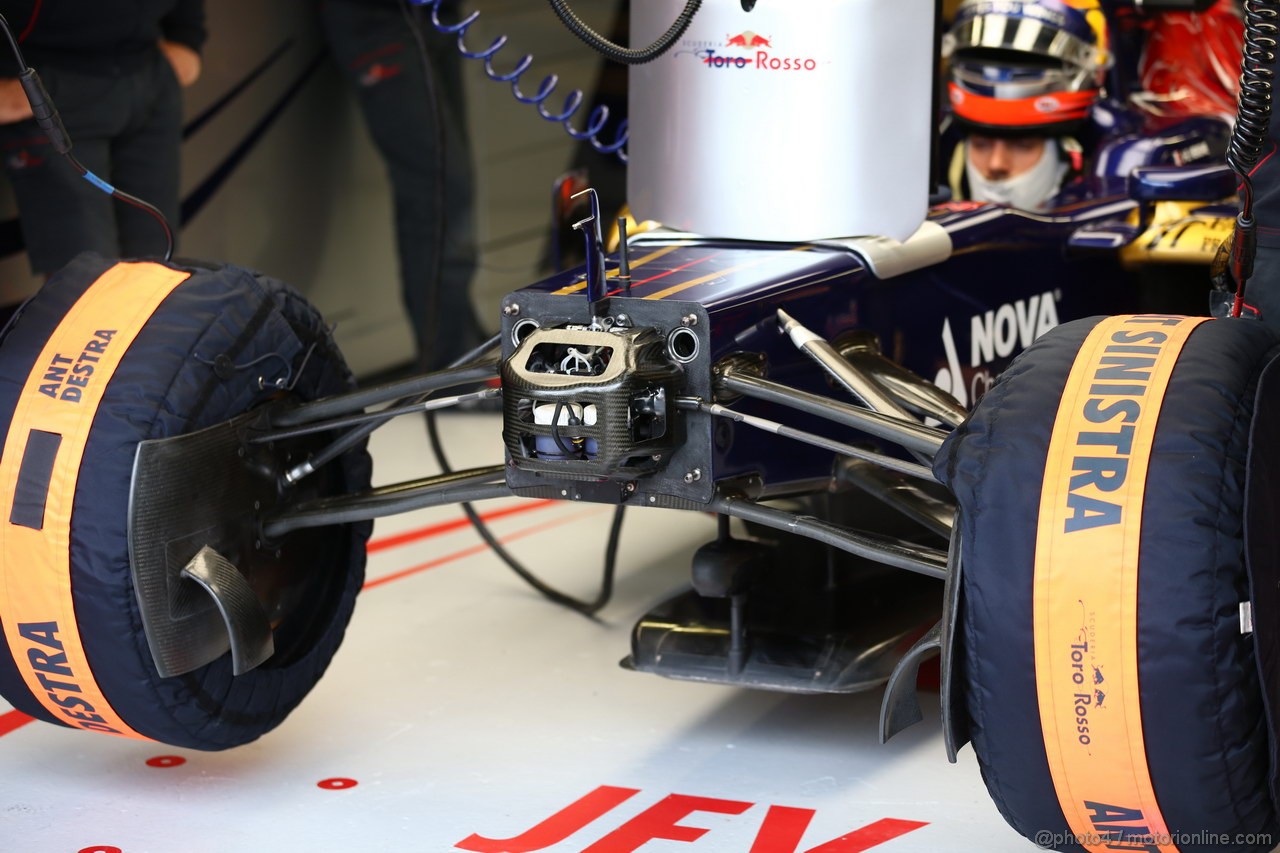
<point>197,362</point>
<point>1208,691</point>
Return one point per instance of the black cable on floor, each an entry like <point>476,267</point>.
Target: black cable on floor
<point>586,608</point>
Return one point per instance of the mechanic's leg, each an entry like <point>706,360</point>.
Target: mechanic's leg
<point>461,251</point>
<point>145,159</point>
<point>61,213</point>
<point>1263,293</point>
<point>380,58</point>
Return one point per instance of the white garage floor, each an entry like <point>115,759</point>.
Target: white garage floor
<point>463,704</point>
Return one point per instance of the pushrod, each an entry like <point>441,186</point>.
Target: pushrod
<point>914,437</point>
<point>899,465</point>
<point>388,392</point>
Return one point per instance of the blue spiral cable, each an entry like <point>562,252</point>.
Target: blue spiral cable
<point>596,121</point>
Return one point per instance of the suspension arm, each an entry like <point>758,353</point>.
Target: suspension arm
<point>474,484</point>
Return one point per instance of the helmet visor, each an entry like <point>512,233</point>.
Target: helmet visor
<point>1044,37</point>
<point>1015,80</point>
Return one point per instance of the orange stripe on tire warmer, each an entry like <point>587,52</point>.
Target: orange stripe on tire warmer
<point>1086,581</point>
<point>35,566</point>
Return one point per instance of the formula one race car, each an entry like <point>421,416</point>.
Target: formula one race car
<point>1083,533</point>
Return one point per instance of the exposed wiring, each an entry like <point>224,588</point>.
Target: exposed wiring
<point>46,116</point>
<point>568,451</point>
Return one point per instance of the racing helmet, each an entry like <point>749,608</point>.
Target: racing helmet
<point>1026,66</point>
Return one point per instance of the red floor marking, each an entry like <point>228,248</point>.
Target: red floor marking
<point>166,761</point>
<point>336,784</point>
<point>450,526</point>
<point>477,549</point>
<point>12,721</point>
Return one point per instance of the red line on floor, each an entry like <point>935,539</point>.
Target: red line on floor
<point>440,529</point>
<point>13,721</point>
<point>480,548</point>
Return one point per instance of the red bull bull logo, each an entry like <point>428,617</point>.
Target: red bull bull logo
<point>747,39</point>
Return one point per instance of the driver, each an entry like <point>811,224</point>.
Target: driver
<point>1024,76</point>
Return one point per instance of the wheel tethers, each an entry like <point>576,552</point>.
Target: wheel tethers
<point>106,356</point>
<point>1112,679</point>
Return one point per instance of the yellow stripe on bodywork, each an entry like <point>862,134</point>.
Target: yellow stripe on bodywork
<point>639,262</point>
<point>766,258</point>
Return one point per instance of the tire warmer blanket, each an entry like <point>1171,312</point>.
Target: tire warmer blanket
<point>38,472</point>
<point>1086,581</point>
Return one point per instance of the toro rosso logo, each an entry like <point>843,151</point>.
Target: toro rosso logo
<point>1086,675</point>
<point>726,55</point>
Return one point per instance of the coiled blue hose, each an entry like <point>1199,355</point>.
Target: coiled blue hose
<point>596,121</point>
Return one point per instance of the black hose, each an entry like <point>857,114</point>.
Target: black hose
<point>611,550</point>
<point>621,54</point>
<point>1257,79</point>
<point>132,200</point>
<point>13,44</point>
<point>46,116</point>
<point>586,608</point>
<point>1253,120</point>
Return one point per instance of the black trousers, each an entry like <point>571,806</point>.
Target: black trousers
<point>126,128</point>
<point>415,112</point>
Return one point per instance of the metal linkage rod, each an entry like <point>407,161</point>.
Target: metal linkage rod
<point>475,484</point>
<point>913,436</point>
<point>380,416</point>
<point>356,401</point>
<point>857,383</point>
<point>901,466</point>
<point>863,354</point>
<point>890,552</point>
<point>476,360</point>
<point>906,496</point>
